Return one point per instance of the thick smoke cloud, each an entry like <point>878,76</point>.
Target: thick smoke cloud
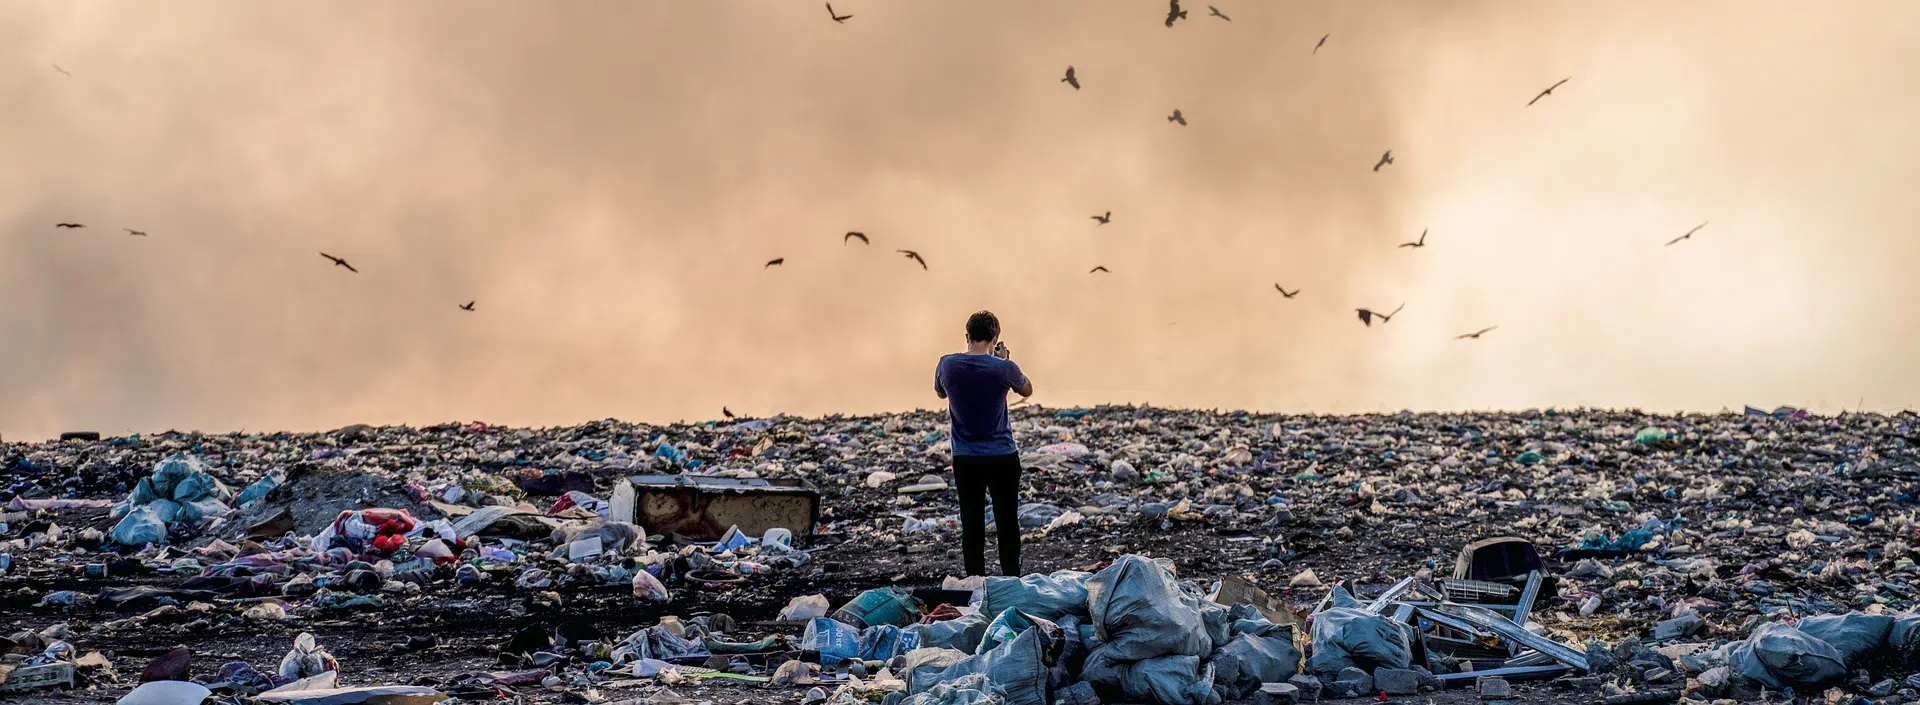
<point>606,178</point>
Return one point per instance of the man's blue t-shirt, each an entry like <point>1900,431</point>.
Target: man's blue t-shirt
<point>976,388</point>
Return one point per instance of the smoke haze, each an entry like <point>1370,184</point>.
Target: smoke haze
<point>605,179</point>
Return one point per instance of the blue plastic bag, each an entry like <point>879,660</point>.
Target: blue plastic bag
<point>833,640</point>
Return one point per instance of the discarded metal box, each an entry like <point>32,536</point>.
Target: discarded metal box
<point>1500,559</point>
<point>25,678</point>
<point>703,507</point>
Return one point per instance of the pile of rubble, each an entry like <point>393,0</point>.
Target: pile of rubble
<point>1677,557</point>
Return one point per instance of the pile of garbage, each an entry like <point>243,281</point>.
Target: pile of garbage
<point>1669,535</point>
<point>180,493</point>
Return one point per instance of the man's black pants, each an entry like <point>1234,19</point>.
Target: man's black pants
<point>973,477</point>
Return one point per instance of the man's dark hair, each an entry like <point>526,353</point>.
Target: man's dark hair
<point>982,327</point>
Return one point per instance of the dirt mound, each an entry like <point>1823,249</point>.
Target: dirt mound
<point>317,496</point>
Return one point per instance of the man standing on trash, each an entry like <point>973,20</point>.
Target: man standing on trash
<point>975,384</point>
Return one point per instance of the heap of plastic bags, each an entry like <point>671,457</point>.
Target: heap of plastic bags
<point>1131,632</point>
<point>180,494</point>
<point>1817,652</point>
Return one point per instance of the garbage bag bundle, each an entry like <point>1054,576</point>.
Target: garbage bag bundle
<point>1169,680</point>
<point>1345,636</point>
<point>1020,666</point>
<point>964,632</point>
<point>180,492</point>
<point>1903,641</point>
<point>1048,597</point>
<point>1249,660</point>
<point>885,641</point>
<point>140,527</point>
<point>1855,635</point>
<point>966,690</point>
<point>306,659</point>
<point>1145,625</point>
<point>1009,624</point>
<point>924,665</point>
<point>261,487</point>
<point>834,641</point>
<point>1781,656</point>
<point>1139,613</point>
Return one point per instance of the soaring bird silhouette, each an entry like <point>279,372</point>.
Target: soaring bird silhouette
<point>855,235</point>
<point>337,262</point>
<point>842,19</point>
<point>1367,315</point>
<point>468,306</point>
<point>1284,292</point>
<point>1177,117</point>
<point>1211,10</point>
<point>1323,42</point>
<point>68,225</point>
<point>1104,218</point>
<point>915,256</point>
<point>135,233</point>
<point>1475,335</point>
<point>1422,242</point>
<point>724,411</point>
<point>56,67</point>
<point>1098,269</point>
<point>1174,12</point>
<point>1687,236</point>
<point>1548,91</point>
<point>1385,159</point>
<point>777,261</point>
<point>1071,79</point>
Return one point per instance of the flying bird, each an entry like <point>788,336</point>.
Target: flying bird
<point>1071,79</point>
<point>1174,12</point>
<point>468,306</point>
<point>1211,10</point>
<point>68,225</point>
<point>724,411</point>
<point>1177,117</point>
<point>337,262</point>
<point>915,256</point>
<point>1548,91</point>
<point>1284,292</point>
<point>1422,242</point>
<point>136,233</point>
<point>852,235</point>
<point>1323,42</point>
<point>842,19</point>
<point>1367,315</point>
<point>1385,159</point>
<point>1475,335</point>
<point>777,261</point>
<point>1098,269</point>
<point>1689,234</point>
<point>56,67</point>
<point>1104,218</point>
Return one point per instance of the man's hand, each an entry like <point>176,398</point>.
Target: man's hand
<point>1000,351</point>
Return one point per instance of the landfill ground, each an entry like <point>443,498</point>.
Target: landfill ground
<point>1750,518</point>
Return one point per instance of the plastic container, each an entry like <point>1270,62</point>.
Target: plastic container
<point>880,606</point>
<point>830,641</point>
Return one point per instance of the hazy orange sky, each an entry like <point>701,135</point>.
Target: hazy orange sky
<point>606,177</point>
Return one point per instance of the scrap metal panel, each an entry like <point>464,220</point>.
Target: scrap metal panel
<point>703,507</point>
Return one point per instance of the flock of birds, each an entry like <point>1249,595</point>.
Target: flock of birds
<point>1174,14</point>
<point>1072,78</point>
